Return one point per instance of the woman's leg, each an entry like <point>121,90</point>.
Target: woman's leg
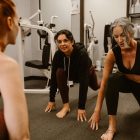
<point>115,84</point>
<point>136,91</point>
<point>64,92</point>
<point>93,82</point>
<point>137,96</point>
<point>111,131</point>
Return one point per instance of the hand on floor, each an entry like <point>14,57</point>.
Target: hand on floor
<point>81,115</point>
<point>94,120</point>
<point>51,106</point>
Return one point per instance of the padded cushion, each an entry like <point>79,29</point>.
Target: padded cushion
<point>35,64</point>
<point>38,64</point>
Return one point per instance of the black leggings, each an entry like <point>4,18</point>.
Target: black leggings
<point>119,83</point>
<point>3,129</point>
<point>63,87</point>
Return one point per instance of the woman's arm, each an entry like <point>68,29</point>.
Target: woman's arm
<point>53,85</point>
<point>53,82</point>
<point>133,77</point>
<point>108,66</point>
<point>15,107</point>
<point>83,85</point>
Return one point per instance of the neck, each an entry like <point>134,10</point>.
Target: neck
<point>2,46</point>
<point>132,44</point>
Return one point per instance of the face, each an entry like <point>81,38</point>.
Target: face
<point>122,39</point>
<point>64,44</point>
<point>14,29</point>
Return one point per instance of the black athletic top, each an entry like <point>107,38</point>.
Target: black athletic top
<point>135,69</point>
<point>78,65</point>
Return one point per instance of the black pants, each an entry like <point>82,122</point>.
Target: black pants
<point>3,129</point>
<point>63,87</point>
<point>119,83</point>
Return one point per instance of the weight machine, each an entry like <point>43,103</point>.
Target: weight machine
<point>91,42</point>
<point>25,29</point>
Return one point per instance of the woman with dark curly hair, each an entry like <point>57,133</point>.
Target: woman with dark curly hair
<point>71,63</point>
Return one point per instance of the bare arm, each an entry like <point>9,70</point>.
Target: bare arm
<point>15,108</point>
<point>133,77</point>
<point>108,66</point>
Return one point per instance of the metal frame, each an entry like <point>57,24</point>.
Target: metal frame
<point>21,44</point>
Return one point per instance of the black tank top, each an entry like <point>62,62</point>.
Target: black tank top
<point>135,69</point>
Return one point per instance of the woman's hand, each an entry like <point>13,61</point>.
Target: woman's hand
<point>81,115</point>
<point>51,106</point>
<point>94,120</point>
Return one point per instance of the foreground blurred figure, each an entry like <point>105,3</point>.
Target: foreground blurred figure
<point>126,55</point>
<point>13,117</point>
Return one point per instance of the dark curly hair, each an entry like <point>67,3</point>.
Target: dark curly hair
<point>67,33</point>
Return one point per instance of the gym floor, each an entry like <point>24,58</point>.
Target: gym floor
<point>46,126</point>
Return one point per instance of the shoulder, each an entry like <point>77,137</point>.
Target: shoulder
<point>4,59</point>
<point>80,45</point>
<point>116,50</point>
<point>80,48</point>
<point>110,56</point>
<point>58,55</point>
<point>7,64</point>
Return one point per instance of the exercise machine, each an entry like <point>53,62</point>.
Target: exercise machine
<point>91,42</point>
<point>26,26</point>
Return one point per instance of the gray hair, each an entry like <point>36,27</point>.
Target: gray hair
<point>125,23</point>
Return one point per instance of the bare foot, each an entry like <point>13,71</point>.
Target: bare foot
<point>108,135</point>
<point>63,112</point>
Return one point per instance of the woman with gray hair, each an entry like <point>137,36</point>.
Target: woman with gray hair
<point>126,55</point>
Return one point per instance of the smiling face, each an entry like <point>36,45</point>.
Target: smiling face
<point>122,38</point>
<point>64,44</point>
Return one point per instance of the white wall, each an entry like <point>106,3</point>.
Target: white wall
<point>60,8</point>
<point>12,51</point>
<point>65,20</point>
<point>104,11</point>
